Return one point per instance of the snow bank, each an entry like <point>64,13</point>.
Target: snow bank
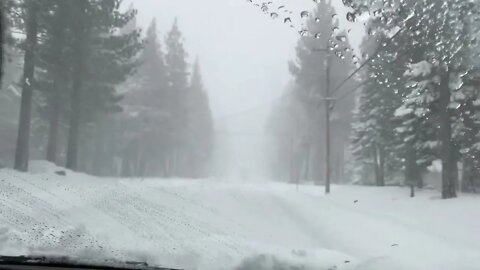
<point>223,225</point>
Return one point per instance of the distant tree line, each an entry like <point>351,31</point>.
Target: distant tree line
<point>90,94</point>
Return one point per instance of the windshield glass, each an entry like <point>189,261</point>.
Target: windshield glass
<point>233,134</point>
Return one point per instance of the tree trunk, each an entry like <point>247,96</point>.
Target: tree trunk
<point>307,164</point>
<point>471,130</point>
<point>381,166</point>
<point>455,172</point>
<point>413,174</point>
<point>445,135</point>
<point>54,122</point>
<point>468,175</point>
<point>23,138</point>
<point>99,150</point>
<point>78,76</point>
<point>375,164</point>
<point>2,38</point>
<point>73,133</point>
<point>60,82</point>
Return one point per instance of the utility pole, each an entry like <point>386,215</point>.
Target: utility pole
<point>327,123</point>
<point>327,100</point>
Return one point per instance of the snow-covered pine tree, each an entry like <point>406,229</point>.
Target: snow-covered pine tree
<point>438,61</point>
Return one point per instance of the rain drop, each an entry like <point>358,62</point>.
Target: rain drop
<point>304,14</point>
<point>341,38</point>
<point>264,8</point>
<point>287,20</point>
<point>351,17</point>
<point>303,32</point>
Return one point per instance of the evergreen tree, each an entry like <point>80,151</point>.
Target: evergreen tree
<point>200,126</point>
<point>55,65</point>
<point>322,41</point>
<point>102,59</point>
<point>31,21</point>
<point>177,82</point>
<point>146,122</point>
<point>435,64</point>
<point>2,38</point>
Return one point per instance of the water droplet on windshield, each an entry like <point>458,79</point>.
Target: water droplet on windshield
<point>318,35</point>
<point>274,15</point>
<point>264,8</point>
<point>351,17</point>
<point>304,14</point>
<point>287,20</point>
<point>303,32</point>
<point>347,3</point>
<point>341,38</point>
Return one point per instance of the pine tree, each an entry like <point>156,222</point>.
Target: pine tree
<point>177,79</point>
<point>322,41</point>
<point>200,126</point>
<point>102,59</point>
<point>31,28</point>
<point>436,63</point>
<point>2,34</point>
<point>55,65</point>
<point>146,121</point>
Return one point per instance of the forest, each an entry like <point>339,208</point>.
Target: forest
<point>84,87</point>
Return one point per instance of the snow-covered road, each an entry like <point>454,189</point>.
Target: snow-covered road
<point>212,224</point>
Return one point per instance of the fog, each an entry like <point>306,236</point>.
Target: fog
<point>244,55</point>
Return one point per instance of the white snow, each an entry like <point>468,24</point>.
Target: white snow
<point>402,111</point>
<point>214,224</point>
<point>422,69</point>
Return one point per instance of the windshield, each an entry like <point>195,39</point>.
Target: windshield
<point>233,134</point>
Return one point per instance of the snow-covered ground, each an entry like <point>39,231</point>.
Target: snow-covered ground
<point>213,224</point>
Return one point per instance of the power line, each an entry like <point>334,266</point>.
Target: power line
<point>351,91</point>
<point>379,49</point>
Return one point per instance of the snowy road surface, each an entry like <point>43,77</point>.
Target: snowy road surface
<point>212,224</point>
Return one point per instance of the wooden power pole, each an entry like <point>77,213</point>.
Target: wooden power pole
<point>327,124</point>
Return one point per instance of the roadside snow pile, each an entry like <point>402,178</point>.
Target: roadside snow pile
<point>223,225</point>
<point>45,167</point>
